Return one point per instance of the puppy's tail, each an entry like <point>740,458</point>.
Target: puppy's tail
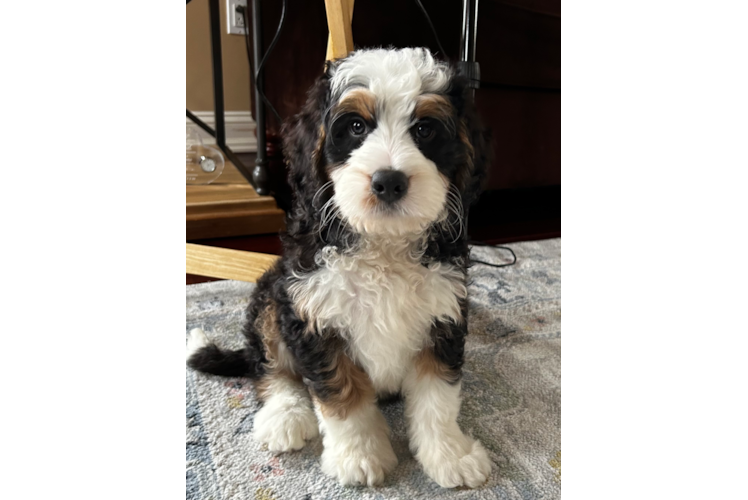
<point>204,356</point>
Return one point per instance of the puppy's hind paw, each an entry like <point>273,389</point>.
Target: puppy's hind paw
<point>285,428</point>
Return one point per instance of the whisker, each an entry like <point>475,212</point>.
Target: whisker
<point>327,204</point>
<point>339,222</point>
<point>320,191</point>
<point>454,206</point>
<point>326,216</point>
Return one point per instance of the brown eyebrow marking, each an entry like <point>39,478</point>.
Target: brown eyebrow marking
<point>434,106</point>
<point>360,101</point>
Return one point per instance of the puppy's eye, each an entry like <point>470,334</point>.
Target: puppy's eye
<point>357,127</point>
<point>424,131</point>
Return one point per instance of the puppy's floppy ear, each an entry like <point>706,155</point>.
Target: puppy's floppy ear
<point>475,139</point>
<point>303,141</point>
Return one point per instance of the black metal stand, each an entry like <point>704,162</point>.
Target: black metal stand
<point>258,178</point>
<point>259,174</point>
<point>467,64</point>
<point>468,39</point>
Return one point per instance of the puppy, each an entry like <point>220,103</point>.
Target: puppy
<point>369,298</point>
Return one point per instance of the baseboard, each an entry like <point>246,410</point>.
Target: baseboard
<point>240,130</point>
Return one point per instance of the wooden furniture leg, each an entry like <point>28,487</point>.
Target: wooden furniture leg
<point>339,17</point>
<point>228,264</point>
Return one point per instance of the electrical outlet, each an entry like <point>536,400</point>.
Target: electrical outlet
<point>235,19</point>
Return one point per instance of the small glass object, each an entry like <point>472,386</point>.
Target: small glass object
<point>204,163</point>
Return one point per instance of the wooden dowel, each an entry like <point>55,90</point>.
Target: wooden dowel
<point>339,18</point>
<point>229,264</point>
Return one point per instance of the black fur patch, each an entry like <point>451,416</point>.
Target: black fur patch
<point>449,342</point>
<point>443,148</point>
<point>341,142</point>
<point>211,359</point>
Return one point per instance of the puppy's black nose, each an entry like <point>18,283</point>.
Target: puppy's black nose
<point>389,185</point>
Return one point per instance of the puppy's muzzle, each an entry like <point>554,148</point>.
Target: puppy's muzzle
<point>389,185</point>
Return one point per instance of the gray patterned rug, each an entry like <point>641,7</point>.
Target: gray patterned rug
<point>511,396</point>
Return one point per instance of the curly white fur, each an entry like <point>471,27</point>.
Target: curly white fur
<point>382,300</point>
<point>402,73</point>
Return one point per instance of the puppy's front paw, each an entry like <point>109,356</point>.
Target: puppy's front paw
<point>359,464</point>
<point>457,463</point>
<point>285,428</point>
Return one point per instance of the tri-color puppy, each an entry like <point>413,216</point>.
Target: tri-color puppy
<point>369,298</point>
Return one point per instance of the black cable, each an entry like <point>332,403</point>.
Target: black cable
<point>258,71</point>
<point>281,22</point>
<point>478,243</point>
<point>433,30</point>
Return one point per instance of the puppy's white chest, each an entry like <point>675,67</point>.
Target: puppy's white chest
<point>382,303</point>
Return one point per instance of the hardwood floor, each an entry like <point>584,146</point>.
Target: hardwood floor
<point>230,207</point>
